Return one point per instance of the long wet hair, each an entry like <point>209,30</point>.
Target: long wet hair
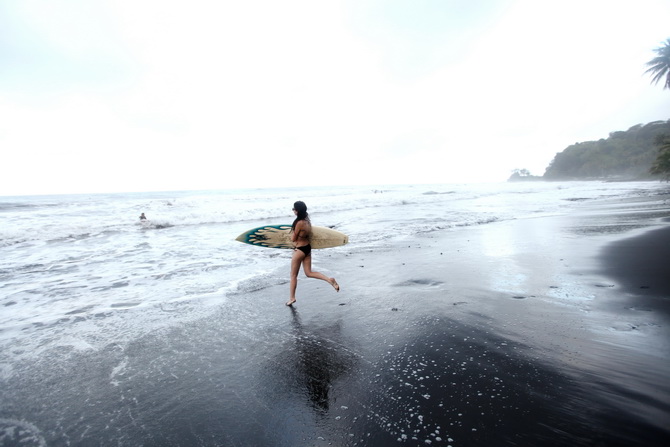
<point>301,208</point>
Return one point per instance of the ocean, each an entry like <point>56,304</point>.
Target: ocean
<point>67,258</point>
<point>79,273</point>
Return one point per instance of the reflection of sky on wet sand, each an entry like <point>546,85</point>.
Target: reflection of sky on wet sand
<point>520,253</point>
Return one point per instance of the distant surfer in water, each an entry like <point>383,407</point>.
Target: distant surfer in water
<point>301,231</point>
<point>143,217</point>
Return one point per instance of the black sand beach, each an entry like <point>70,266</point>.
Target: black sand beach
<point>550,331</point>
<point>640,265</point>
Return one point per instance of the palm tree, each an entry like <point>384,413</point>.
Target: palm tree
<point>662,164</point>
<point>659,67</point>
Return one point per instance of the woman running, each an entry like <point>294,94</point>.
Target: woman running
<point>301,232</point>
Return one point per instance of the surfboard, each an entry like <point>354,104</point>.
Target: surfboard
<point>278,236</point>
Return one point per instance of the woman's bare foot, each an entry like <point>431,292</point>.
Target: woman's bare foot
<point>334,283</point>
<point>290,302</point>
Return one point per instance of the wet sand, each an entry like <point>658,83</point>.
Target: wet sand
<point>522,333</point>
<point>640,266</point>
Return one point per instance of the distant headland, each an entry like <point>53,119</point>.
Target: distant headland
<point>624,155</point>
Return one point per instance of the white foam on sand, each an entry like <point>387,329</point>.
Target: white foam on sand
<point>94,330</point>
<point>118,370</point>
<point>17,432</point>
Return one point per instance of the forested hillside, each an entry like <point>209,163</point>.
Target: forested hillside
<point>623,155</point>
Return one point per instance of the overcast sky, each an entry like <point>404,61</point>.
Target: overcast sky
<point>121,95</point>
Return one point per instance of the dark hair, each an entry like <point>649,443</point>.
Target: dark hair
<point>301,208</point>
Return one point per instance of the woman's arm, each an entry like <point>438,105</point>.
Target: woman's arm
<point>301,231</point>
<point>298,227</point>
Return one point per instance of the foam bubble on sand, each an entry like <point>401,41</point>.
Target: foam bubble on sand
<point>76,343</point>
<point>118,370</point>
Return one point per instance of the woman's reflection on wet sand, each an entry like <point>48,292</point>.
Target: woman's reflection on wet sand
<point>319,358</point>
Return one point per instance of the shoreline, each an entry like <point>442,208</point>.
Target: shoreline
<point>512,333</point>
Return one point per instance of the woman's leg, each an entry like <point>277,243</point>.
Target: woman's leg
<point>296,260</point>
<point>307,267</point>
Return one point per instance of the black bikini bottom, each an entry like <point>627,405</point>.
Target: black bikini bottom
<point>307,249</point>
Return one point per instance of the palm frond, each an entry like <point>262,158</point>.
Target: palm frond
<point>659,67</point>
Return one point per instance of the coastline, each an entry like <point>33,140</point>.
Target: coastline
<point>523,332</point>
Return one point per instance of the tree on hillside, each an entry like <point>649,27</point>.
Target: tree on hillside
<point>662,163</point>
<point>623,155</point>
<point>522,174</point>
<point>659,67</point>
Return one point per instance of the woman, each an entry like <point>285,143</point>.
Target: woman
<point>301,231</point>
